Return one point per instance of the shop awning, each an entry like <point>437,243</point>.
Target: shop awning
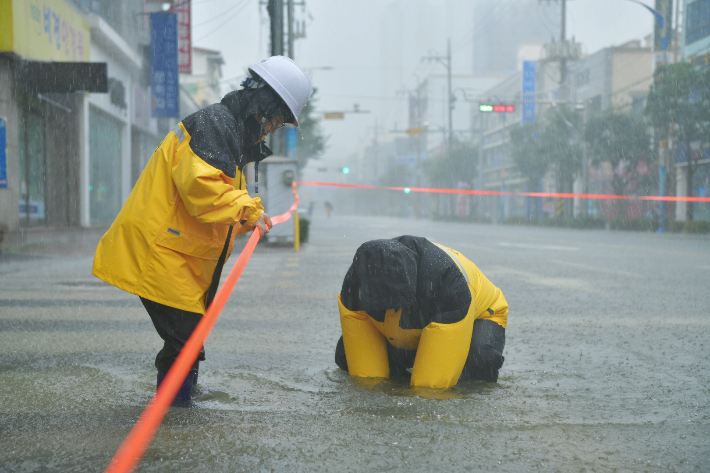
<point>63,77</point>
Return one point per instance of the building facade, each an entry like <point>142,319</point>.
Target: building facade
<point>75,143</point>
<point>497,171</point>
<point>203,82</point>
<point>619,79</point>
<point>502,29</point>
<point>615,78</point>
<point>695,49</point>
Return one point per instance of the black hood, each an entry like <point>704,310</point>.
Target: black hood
<point>410,273</point>
<point>226,135</point>
<point>264,101</point>
<point>383,275</point>
<point>243,104</point>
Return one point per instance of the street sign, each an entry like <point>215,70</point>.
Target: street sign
<point>415,131</point>
<point>529,88</point>
<point>164,65</point>
<point>334,115</point>
<point>3,154</point>
<point>184,20</point>
<point>292,142</point>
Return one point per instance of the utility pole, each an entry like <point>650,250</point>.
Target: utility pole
<point>376,150</point>
<point>290,18</point>
<point>446,62</point>
<point>283,46</point>
<point>563,39</point>
<point>276,13</point>
<point>675,37</point>
<point>451,98</point>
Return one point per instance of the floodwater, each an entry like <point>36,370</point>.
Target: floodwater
<point>607,355</point>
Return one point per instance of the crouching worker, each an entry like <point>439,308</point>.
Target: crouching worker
<point>408,304</point>
<point>170,240</point>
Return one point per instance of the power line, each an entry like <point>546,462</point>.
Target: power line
<point>469,34</point>
<point>244,4</point>
<point>489,20</point>
<point>192,2</point>
<point>221,15</point>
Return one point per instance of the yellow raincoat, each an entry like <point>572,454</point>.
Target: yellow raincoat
<point>167,239</point>
<point>441,346</point>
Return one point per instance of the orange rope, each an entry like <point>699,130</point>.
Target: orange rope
<point>135,445</point>
<point>561,195</point>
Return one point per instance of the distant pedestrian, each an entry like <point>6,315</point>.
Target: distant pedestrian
<point>328,208</point>
<point>408,305</point>
<point>171,239</point>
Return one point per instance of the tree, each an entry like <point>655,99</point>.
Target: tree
<point>459,163</point>
<point>529,155</point>
<point>679,105</point>
<point>617,138</point>
<point>561,142</point>
<point>311,141</point>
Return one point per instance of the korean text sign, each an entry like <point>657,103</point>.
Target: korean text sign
<point>529,76</point>
<point>44,30</point>
<point>164,65</point>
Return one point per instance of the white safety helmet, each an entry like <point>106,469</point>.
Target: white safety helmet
<point>287,80</point>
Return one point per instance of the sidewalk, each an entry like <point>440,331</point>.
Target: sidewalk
<point>65,241</point>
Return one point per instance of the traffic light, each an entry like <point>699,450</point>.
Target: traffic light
<point>496,108</point>
<point>345,170</point>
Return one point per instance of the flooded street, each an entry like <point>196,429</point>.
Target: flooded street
<point>608,344</point>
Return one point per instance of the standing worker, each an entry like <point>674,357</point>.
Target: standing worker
<point>170,240</point>
<point>410,305</point>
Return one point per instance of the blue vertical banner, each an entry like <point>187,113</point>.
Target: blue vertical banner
<point>292,142</point>
<point>164,65</point>
<point>529,76</point>
<point>3,154</point>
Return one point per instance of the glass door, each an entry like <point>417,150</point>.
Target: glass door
<point>32,170</point>
<point>105,168</point>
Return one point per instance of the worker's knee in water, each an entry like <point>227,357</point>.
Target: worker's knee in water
<point>485,357</point>
<point>401,361</point>
<point>340,359</point>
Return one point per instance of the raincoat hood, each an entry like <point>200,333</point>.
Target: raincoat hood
<point>256,98</point>
<point>383,275</point>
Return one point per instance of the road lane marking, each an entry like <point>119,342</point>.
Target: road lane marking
<point>532,246</point>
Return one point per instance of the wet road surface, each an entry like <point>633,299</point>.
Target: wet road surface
<point>607,355</point>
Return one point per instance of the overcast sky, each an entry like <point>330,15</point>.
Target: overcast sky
<point>346,35</point>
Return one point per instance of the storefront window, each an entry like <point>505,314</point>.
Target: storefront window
<point>701,188</point>
<point>105,168</point>
<point>32,170</point>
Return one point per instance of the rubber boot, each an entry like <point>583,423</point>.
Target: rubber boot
<point>184,394</point>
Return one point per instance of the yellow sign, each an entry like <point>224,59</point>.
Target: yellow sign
<point>44,30</point>
<point>415,131</point>
<point>334,115</point>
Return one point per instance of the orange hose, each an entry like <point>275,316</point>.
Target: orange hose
<point>135,445</point>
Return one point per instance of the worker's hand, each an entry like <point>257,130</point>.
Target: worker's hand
<point>264,224</point>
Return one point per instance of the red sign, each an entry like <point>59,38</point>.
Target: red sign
<point>182,8</point>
